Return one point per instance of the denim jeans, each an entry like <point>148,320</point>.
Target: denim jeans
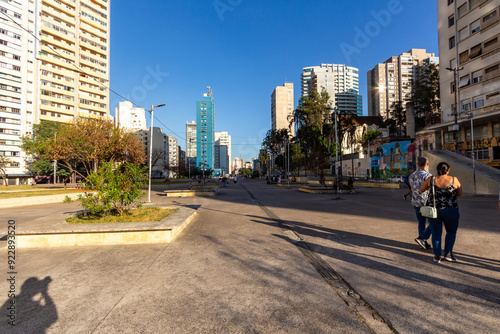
<point>423,233</point>
<point>450,218</point>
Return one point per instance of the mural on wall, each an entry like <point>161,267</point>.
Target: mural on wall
<point>395,158</point>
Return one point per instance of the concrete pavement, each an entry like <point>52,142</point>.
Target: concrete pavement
<point>236,270</point>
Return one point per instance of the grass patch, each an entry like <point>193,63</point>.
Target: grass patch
<point>5,195</point>
<point>22,188</point>
<point>137,215</point>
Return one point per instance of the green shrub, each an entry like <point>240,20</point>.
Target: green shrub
<point>117,187</point>
<point>67,199</point>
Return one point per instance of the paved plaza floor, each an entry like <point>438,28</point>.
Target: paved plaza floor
<point>264,259</point>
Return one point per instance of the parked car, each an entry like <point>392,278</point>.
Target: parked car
<point>396,179</point>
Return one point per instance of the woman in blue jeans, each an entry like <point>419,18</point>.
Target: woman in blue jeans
<point>447,189</point>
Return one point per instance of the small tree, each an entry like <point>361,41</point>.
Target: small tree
<point>4,163</point>
<point>118,186</point>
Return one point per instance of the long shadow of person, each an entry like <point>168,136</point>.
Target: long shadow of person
<point>33,310</point>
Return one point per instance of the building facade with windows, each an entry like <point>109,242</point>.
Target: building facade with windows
<point>17,77</point>
<point>392,81</point>
<point>72,59</point>
<point>334,78</point>
<point>205,134</point>
<point>224,139</point>
<point>191,144</point>
<point>282,107</point>
<point>469,49</point>
<point>126,116</point>
<point>350,103</point>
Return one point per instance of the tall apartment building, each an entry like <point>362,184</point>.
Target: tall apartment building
<point>334,78</point>
<point>17,55</point>
<point>165,154</point>
<point>392,80</point>
<point>205,135</point>
<point>469,42</point>
<point>160,149</point>
<point>350,103</point>
<point>282,107</point>
<point>237,164</point>
<point>221,156</point>
<point>126,116</point>
<point>191,144</point>
<point>172,154</point>
<point>73,33</point>
<point>224,139</point>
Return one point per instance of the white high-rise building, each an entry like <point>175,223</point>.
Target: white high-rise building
<point>17,68</point>
<point>469,45</point>
<point>224,139</point>
<point>126,116</point>
<point>172,152</point>
<point>334,78</point>
<point>191,144</point>
<point>282,106</point>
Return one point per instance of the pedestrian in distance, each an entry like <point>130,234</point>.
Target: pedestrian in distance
<point>419,199</point>
<point>447,189</point>
<point>235,179</point>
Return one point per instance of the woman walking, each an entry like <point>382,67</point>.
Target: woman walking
<point>447,189</point>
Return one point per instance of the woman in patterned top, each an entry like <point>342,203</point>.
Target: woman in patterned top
<point>446,191</point>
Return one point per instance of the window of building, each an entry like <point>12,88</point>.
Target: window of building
<point>452,42</point>
<point>477,76</point>
<point>474,3</point>
<point>481,154</point>
<point>490,44</point>
<point>475,51</point>
<point>464,56</point>
<point>491,71</point>
<point>492,96</point>
<point>462,10</point>
<point>477,102</point>
<point>475,26</point>
<point>463,33</point>
<point>490,16</point>
<point>466,104</point>
<point>450,2</point>
<point>451,20</point>
<point>496,129</point>
<point>449,137</point>
<point>464,81</point>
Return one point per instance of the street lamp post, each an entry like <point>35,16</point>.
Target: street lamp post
<point>471,117</point>
<point>151,148</point>
<point>455,71</point>
<point>288,156</point>
<point>336,152</point>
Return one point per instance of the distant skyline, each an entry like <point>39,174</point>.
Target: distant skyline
<point>170,51</point>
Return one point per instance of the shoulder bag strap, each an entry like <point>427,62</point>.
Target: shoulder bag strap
<point>433,194</point>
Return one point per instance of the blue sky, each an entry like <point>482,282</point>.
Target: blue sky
<point>170,51</point>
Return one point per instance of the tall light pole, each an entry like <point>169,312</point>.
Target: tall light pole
<point>456,72</point>
<point>471,117</point>
<point>336,151</point>
<point>151,148</point>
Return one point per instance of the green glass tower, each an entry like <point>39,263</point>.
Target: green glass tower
<point>205,131</point>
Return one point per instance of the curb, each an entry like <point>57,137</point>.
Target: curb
<point>164,231</point>
<point>36,200</point>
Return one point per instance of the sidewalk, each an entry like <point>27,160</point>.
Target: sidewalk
<point>235,270</point>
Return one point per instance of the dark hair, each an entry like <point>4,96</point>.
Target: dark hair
<point>442,168</point>
<point>422,161</point>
